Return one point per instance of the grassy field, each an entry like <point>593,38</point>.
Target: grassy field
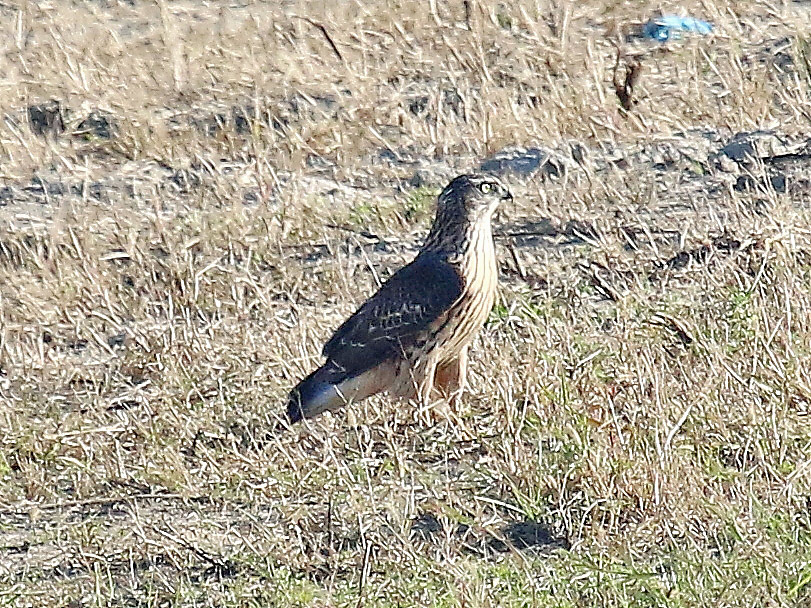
<point>194,195</point>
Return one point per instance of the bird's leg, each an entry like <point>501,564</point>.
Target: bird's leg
<point>426,385</point>
<point>433,411</point>
<point>449,379</point>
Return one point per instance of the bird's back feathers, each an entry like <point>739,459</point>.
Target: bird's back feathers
<point>393,318</point>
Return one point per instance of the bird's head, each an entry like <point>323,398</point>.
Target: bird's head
<point>472,197</point>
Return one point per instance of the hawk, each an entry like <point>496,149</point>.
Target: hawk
<point>411,337</point>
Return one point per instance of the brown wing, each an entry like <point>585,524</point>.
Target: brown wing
<point>395,316</point>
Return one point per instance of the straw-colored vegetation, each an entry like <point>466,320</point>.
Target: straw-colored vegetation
<point>637,431</point>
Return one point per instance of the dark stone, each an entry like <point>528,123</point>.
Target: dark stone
<point>525,535</point>
<point>778,182</point>
<point>740,150</point>
<point>748,183</point>
<point>316,161</point>
<point>116,340</point>
<point>401,157</point>
<point>98,124</point>
<point>47,118</point>
<point>327,103</point>
<point>97,190</point>
<point>778,54</point>
<point>186,179</point>
<point>418,105</point>
<point>300,105</point>
<point>417,180</point>
<point>451,99</point>
<point>522,162</point>
<point>79,344</point>
<point>40,187</point>
<point>243,118</point>
<point>726,243</point>
<point>578,153</point>
<point>388,156</point>
<point>747,147</point>
<point>250,197</point>
<point>425,525</point>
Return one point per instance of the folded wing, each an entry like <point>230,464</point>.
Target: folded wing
<point>397,316</point>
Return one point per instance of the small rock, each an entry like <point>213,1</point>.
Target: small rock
<point>251,197</point>
<point>316,161</point>
<point>40,187</point>
<point>524,162</point>
<point>79,344</point>
<point>524,534</point>
<point>47,118</point>
<point>452,100</point>
<point>98,124</point>
<point>748,147</point>
<point>186,179</point>
<point>425,525</point>
<point>431,177</point>
<point>303,105</point>
<point>747,183</point>
<point>418,105</point>
<point>116,340</point>
<point>777,54</point>
<point>419,179</point>
<point>579,152</point>
<point>388,156</point>
<point>243,117</point>
<point>96,190</point>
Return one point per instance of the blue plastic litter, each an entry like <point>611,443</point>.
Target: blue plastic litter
<point>670,27</point>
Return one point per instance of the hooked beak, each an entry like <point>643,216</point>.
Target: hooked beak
<point>506,196</point>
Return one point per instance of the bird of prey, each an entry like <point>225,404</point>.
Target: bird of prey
<point>411,337</point>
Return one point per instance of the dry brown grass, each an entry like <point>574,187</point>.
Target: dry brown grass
<point>639,412</point>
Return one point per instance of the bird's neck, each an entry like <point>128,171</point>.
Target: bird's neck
<point>455,238</point>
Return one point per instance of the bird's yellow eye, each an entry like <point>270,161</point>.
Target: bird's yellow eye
<point>486,188</point>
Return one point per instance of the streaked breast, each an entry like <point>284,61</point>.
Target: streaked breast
<point>480,274</point>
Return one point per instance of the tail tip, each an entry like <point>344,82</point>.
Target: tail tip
<point>295,412</point>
